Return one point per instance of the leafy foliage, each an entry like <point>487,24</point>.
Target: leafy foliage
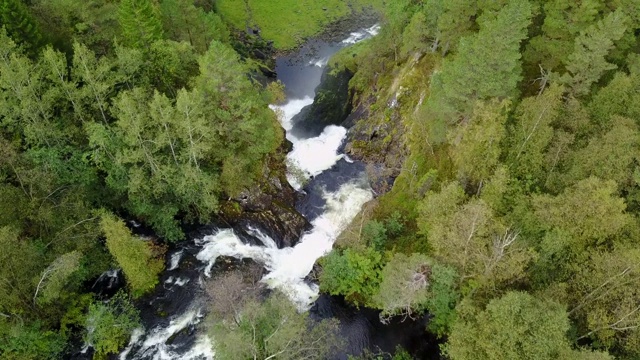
<point>356,275</point>
<point>140,22</point>
<point>274,328</point>
<point>519,139</point>
<point>140,261</point>
<point>479,72</point>
<point>515,326</point>
<point>110,324</point>
<point>26,342</point>
<point>20,25</point>
<point>413,284</point>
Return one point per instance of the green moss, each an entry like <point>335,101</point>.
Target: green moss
<point>231,209</point>
<point>288,22</point>
<point>347,58</point>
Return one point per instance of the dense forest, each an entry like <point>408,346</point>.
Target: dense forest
<point>513,220</point>
<point>109,110</point>
<point>510,129</point>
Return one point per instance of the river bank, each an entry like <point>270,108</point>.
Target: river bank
<point>334,191</point>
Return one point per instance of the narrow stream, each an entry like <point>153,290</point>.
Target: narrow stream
<point>336,189</point>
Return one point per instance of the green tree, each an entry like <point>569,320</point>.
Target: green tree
<point>375,234</point>
<point>93,23</point>
<point>603,218</point>
<point>469,237</point>
<point>20,341</point>
<point>605,300</point>
<point>19,23</point>
<point>140,22</point>
<point>563,21</point>
<point>139,260</point>
<point>455,20</point>
<point>55,276</point>
<point>170,66</point>
<point>475,143</point>
<point>531,133</point>
<point>617,98</point>
<point>588,61</point>
<point>515,326</point>
<point>99,84</point>
<point>611,156</point>
<point>29,102</point>
<point>414,38</point>
<point>480,71</point>
<point>413,284</point>
<point>274,329</point>
<point>353,274</point>
<point>183,21</point>
<point>110,324</point>
<point>19,266</point>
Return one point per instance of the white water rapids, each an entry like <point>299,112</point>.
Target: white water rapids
<point>287,267</point>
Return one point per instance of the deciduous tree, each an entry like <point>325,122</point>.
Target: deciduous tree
<point>140,22</point>
<point>413,284</point>
<point>516,326</point>
<point>588,61</point>
<point>274,330</point>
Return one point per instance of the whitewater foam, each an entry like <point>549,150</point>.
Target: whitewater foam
<point>358,36</point>
<point>288,267</point>
<point>288,110</point>
<point>153,345</point>
<point>320,62</point>
<point>175,260</point>
<point>314,155</point>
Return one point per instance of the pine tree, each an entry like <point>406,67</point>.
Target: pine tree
<point>588,61</point>
<point>20,25</point>
<point>140,23</point>
<point>487,64</point>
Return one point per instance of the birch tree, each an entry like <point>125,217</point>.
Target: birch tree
<point>274,330</point>
<point>53,278</point>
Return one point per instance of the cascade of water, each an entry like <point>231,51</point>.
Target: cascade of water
<point>358,36</point>
<point>175,260</point>
<point>287,267</point>
<point>154,344</point>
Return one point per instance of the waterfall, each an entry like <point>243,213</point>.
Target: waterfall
<point>286,268</point>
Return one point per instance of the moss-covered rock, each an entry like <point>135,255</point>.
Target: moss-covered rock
<point>269,205</point>
<point>331,105</point>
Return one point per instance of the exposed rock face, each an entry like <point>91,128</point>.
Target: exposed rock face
<point>331,105</point>
<point>374,139</point>
<point>378,142</point>
<point>269,205</point>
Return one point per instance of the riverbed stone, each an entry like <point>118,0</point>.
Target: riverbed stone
<point>269,205</point>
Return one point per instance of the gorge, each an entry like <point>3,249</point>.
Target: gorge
<point>334,189</point>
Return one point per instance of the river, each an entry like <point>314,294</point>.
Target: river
<point>335,188</point>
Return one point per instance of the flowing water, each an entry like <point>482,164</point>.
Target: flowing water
<point>336,188</point>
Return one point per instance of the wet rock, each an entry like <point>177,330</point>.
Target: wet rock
<point>331,105</point>
<point>377,141</point>
<point>280,222</point>
<point>269,205</point>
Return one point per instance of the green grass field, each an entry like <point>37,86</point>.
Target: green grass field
<point>288,22</point>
